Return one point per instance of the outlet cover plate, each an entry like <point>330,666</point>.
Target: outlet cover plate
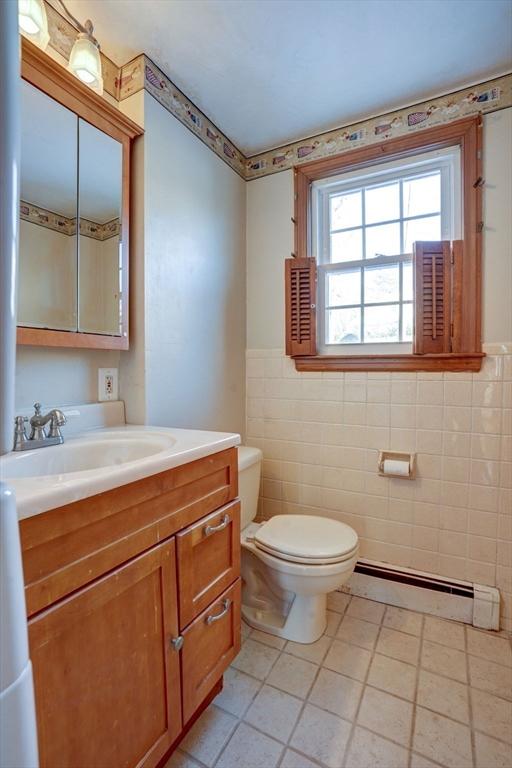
<point>108,388</point>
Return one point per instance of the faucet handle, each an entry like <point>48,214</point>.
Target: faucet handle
<point>20,436</point>
<point>37,409</point>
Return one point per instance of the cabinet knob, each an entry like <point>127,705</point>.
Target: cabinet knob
<point>177,642</point>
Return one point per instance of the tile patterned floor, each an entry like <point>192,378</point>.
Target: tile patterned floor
<point>383,688</point>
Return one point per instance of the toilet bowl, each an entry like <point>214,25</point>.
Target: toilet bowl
<point>289,563</point>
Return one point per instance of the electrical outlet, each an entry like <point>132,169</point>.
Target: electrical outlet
<point>107,384</point>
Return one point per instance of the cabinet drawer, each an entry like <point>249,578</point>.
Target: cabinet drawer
<point>208,560</point>
<point>211,643</point>
<point>66,548</point>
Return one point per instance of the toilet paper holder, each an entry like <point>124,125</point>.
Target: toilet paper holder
<point>410,458</point>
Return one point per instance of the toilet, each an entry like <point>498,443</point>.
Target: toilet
<point>289,563</point>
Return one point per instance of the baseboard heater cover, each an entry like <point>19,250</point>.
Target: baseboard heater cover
<point>464,601</point>
<point>418,579</point>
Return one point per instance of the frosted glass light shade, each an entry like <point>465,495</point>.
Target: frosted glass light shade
<point>33,21</point>
<point>85,63</point>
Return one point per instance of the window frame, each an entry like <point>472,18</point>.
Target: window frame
<point>447,163</point>
<point>467,135</point>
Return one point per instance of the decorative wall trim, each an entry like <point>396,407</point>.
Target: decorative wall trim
<point>142,73</point>
<point>100,231</point>
<point>34,214</point>
<point>486,97</point>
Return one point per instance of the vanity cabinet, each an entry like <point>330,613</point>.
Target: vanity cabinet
<point>133,600</point>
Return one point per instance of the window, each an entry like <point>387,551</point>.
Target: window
<point>364,227</point>
<point>386,267</point>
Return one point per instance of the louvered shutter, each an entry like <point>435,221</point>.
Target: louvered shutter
<point>300,288</point>
<point>433,297</point>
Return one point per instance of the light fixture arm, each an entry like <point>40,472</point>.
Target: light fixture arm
<point>86,29</point>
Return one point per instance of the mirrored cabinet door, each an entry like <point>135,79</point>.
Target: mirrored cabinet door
<point>47,276</point>
<point>100,185</point>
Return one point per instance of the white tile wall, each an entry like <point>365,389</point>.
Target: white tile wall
<point>321,433</point>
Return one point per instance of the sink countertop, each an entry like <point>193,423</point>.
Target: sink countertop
<point>39,494</point>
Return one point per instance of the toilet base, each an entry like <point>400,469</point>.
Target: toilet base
<point>305,622</point>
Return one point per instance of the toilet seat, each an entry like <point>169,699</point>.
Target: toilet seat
<point>307,539</point>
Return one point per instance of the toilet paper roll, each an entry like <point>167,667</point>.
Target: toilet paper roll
<point>395,467</point>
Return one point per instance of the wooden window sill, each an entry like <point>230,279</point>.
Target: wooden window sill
<point>456,362</point>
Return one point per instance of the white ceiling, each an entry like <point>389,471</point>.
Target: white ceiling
<point>272,71</point>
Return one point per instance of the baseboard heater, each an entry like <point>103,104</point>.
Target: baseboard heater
<point>426,581</point>
<point>464,601</point>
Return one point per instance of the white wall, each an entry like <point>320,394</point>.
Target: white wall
<point>321,433</point>
<point>55,376</point>
<point>192,297</point>
<point>270,241</point>
<point>497,208</point>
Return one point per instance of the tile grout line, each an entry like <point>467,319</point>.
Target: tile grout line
<point>239,719</point>
<point>416,690</point>
<point>470,701</point>
<point>364,686</point>
<point>306,698</point>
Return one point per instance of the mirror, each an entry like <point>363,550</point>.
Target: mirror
<point>70,278</point>
<point>99,250</point>
<point>47,272</point>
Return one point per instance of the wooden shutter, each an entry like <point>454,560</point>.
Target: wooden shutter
<point>461,342</point>
<point>300,287</point>
<point>433,297</point>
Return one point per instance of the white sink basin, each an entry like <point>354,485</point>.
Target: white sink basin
<point>81,455</point>
<point>101,459</point>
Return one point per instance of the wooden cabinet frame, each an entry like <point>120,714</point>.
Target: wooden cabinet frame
<point>466,134</point>
<point>50,77</point>
<point>104,577</point>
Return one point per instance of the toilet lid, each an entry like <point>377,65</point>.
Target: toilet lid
<point>306,538</point>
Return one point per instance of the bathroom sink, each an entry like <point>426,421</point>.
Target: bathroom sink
<point>111,449</point>
<point>96,460</point>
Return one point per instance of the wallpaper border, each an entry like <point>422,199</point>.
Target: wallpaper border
<point>142,73</point>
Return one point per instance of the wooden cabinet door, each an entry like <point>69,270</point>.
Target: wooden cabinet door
<point>211,643</point>
<point>107,680</point>
<point>208,560</point>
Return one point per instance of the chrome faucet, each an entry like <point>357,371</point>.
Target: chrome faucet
<point>39,438</point>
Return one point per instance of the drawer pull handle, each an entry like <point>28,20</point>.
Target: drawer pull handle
<point>209,529</point>
<point>177,642</point>
<point>226,606</point>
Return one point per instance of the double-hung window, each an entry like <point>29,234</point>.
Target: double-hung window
<point>364,225</point>
<point>386,269</point>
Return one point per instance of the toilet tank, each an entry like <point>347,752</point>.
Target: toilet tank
<point>249,472</point>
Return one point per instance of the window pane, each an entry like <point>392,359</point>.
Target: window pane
<point>347,246</point>
<point>422,195</point>
<point>382,203</point>
<point>381,284</point>
<point>343,326</point>
<point>344,288</point>
<point>382,240</point>
<point>407,282</point>
<point>346,211</point>
<point>428,228</point>
<point>381,323</point>
<point>407,322</point>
